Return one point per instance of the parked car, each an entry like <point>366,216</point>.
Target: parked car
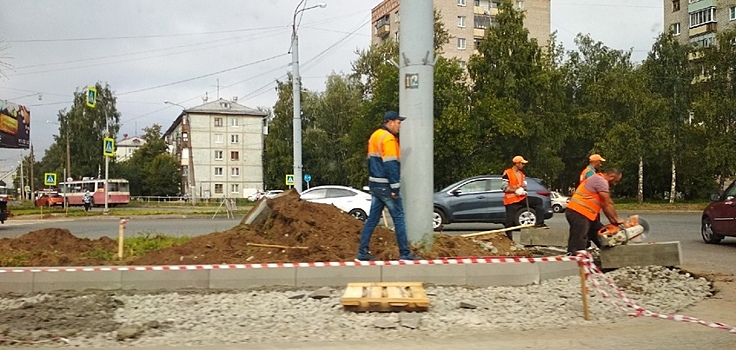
<point>480,199</point>
<point>3,208</point>
<point>49,200</point>
<point>272,193</point>
<point>719,218</point>
<point>354,202</point>
<point>559,202</point>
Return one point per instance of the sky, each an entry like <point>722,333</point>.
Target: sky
<point>151,51</point>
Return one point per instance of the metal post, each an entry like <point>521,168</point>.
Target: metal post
<point>296,87</point>
<point>66,200</point>
<point>22,182</point>
<point>416,84</point>
<point>296,92</point>
<point>107,165</point>
<point>68,157</point>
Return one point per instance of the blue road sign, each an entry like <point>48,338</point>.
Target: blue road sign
<point>307,177</point>
<point>108,148</point>
<point>49,179</point>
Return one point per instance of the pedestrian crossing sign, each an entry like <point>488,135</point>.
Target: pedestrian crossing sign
<point>108,148</point>
<point>49,179</point>
<point>289,179</point>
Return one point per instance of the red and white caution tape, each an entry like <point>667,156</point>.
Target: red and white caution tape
<point>595,276</point>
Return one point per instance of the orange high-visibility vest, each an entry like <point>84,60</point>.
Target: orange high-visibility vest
<point>585,202</point>
<point>511,197</point>
<point>584,174</point>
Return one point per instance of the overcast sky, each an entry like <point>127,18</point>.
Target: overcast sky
<point>150,51</point>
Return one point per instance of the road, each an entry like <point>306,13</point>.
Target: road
<point>108,226</point>
<point>679,226</point>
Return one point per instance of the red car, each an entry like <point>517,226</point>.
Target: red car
<point>50,200</point>
<point>719,218</point>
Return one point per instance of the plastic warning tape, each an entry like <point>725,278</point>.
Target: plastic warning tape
<point>594,275</point>
<point>442,261</point>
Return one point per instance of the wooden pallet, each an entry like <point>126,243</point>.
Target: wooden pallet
<point>385,297</point>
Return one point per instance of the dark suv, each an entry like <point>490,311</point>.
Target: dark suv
<point>480,199</point>
<point>719,218</point>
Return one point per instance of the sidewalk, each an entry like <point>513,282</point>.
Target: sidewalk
<point>635,333</point>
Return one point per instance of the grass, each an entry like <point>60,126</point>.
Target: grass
<point>146,241</point>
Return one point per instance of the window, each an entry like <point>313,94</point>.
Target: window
<point>461,21</point>
<point>235,138</point>
<point>218,138</point>
<point>218,188</point>
<point>234,155</point>
<point>519,5</point>
<point>702,17</point>
<point>218,155</point>
<point>218,121</point>
<point>462,64</point>
<point>732,13</point>
<point>184,170</point>
<point>234,171</point>
<point>461,3</point>
<point>233,121</point>
<point>185,136</point>
<point>480,185</point>
<point>461,43</point>
<point>675,5</point>
<point>235,188</point>
<point>675,28</point>
<point>477,3</point>
<point>218,171</point>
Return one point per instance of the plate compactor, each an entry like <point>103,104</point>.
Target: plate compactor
<point>634,230</point>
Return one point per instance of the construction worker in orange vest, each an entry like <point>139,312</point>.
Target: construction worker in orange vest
<point>592,168</point>
<point>515,198</point>
<point>590,198</point>
<point>384,156</point>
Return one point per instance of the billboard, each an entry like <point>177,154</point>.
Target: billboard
<point>15,125</point>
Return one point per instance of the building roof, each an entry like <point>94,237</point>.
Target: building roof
<point>220,106</point>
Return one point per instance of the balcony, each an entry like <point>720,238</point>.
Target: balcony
<point>702,29</point>
<point>383,30</point>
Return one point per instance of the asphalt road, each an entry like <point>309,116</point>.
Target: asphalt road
<point>666,227</point>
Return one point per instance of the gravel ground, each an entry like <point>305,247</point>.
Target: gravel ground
<point>105,319</point>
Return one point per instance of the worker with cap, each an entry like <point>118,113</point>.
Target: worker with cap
<point>515,197</point>
<point>593,168</point>
<point>384,155</point>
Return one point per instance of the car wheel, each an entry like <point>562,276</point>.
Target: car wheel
<point>706,230</point>
<point>557,208</point>
<point>358,214</point>
<point>525,217</point>
<point>438,219</point>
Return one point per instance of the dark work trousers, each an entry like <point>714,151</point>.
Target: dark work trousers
<point>535,204</point>
<point>582,230</point>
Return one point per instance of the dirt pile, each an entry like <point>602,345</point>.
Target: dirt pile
<point>293,231</point>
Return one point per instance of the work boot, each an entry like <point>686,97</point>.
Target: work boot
<point>409,257</point>
<point>364,257</point>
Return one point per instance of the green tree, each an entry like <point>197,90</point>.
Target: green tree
<point>714,108</point>
<point>670,77</point>
<point>162,176</point>
<point>133,169</point>
<point>87,127</point>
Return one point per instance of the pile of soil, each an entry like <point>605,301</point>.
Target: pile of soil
<point>293,231</point>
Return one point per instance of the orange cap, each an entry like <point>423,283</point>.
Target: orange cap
<point>596,157</point>
<point>519,159</point>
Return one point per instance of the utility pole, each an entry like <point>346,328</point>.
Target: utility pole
<point>31,176</point>
<point>22,182</point>
<point>416,84</point>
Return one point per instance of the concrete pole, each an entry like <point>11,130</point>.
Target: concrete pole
<point>297,124</point>
<point>22,182</point>
<point>416,96</point>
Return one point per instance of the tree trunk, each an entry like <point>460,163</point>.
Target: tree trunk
<point>673,187</point>
<point>640,186</point>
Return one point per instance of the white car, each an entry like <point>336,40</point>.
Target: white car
<point>272,193</point>
<point>559,202</point>
<point>354,202</point>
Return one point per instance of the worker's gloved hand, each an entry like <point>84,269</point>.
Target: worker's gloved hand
<point>520,191</point>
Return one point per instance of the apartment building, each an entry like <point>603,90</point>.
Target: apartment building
<point>219,145</point>
<point>125,148</point>
<point>697,21</point>
<point>466,22</point>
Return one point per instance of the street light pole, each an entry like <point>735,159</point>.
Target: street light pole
<point>296,91</point>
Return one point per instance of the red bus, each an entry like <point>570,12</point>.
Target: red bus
<point>118,191</point>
